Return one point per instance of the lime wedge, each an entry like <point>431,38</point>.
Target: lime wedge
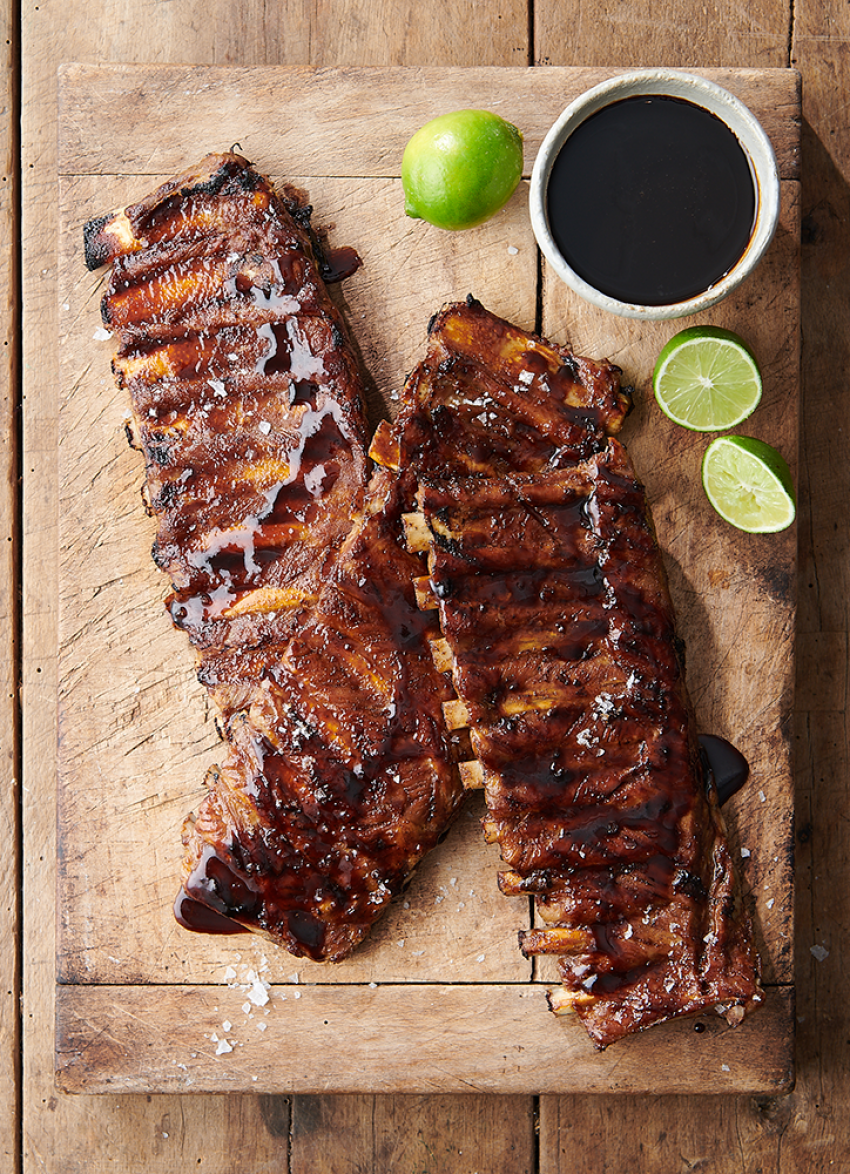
<point>707,379</point>
<point>749,484</point>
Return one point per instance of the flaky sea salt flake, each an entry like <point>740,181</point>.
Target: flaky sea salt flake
<point>258,991</point>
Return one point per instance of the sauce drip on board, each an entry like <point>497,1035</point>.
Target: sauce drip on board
<point>339,263</point>
<point>726,763</point>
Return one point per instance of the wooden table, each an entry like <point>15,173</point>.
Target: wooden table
<point>806,1129</point>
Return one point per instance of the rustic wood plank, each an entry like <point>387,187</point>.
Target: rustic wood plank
<point>425,1038</point>
<point>132,760</point>
<point>92,1134</point>
<point>348,32</point>
<point>663,32</point>
<point>110,752</point>
<point>9,612</point>
<point>818,1131</point>
<point>172,1133</point>
<point>656,1135</point>
<point>437,1134</point>
<point>408,33</point>
<point>213,108</point>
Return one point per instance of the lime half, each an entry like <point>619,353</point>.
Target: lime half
<point>707,379</point>
<point>749,484</point>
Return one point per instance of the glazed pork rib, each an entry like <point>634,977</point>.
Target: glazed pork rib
<point>339,775</point>
<point>490,398</point>
<point>552,600</point>
<point>558,629</point>
<point>288,571</point>
<point>246,402</point>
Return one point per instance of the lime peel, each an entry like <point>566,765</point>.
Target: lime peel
<point>749,484</point>
<point>707,379</point>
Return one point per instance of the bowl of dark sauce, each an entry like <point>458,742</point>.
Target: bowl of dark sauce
<point>655,194</point>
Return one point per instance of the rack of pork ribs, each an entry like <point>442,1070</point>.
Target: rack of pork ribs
<point>558,632</point>
<point>535,658</point>
<point>287,564</point>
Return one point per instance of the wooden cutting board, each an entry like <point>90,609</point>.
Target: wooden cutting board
<point>439,999</point>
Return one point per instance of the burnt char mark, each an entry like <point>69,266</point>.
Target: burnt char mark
<point>628,394</point>
<point>97,251</point>
<point>302,214</point>
<point>691,885</point>
<point>233,170</point>
<point>213,185</point>
<point>159,452</point>
<point>249,179</point>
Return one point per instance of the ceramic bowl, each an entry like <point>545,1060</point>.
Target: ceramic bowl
<point>701,92</point>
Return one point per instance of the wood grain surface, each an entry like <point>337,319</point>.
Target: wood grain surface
<point>132,758</point>
<point>806,1129</point>
<point>122,1039</point>
<point>9,613</point>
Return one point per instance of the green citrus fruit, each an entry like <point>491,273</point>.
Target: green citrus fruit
<point>707,379</point>
<point>749,484</point>
<point>461,168</point>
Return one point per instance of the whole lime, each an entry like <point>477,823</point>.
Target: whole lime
<point>459,169</point>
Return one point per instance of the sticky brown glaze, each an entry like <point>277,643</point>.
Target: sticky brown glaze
<point>340,775</point>
<point>489,398</point>
<point>288,572</point>
<point>559,631</point>
<point>247,402</point>
<point>553,599</point>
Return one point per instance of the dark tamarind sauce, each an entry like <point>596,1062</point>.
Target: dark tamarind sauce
<point>652,200</point>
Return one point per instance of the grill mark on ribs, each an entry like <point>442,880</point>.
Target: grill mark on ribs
<point>556,617</point>
<point>288,570</point>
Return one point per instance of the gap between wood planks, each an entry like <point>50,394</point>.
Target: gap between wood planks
<point>12,511</point>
